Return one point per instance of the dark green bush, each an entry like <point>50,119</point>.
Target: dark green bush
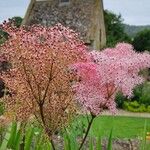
<point>120,98</point>
<point>145,97</point>
<point>141,41</point>
<point>142,94</point>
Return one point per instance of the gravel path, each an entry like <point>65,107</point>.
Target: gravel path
<point>127,113</point>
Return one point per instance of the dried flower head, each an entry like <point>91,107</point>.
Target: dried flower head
<point>40,80</point>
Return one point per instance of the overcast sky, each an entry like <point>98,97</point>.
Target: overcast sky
<point>134,12</point>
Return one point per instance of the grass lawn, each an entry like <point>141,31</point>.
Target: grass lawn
<point>123,127</point>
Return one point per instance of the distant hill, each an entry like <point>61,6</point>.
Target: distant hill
<point>132,30</point>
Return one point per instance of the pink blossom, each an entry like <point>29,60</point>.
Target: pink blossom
<point>111,70</point>
<point>40,79</point>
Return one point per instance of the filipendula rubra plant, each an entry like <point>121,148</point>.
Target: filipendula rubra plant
<point>39,80</point>
<point>109,71</point>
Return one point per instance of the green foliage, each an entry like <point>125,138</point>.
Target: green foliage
<point>145,96</point>
<point>148,109</point>
<point>140,101</point>
<point>141,41</point>
<point>132,30</point>
<point>91,144</point>
<point>98,143</point>
<point>114,29</point>
<point>28,138</point>
<point>137,92</point>
<point>109,147</point>
<point>4,35</point>
<point>12,138</point>
<point>134,106</point>
<point>35,140</point>
<point>120,98</point>
<point>17,21</point>
<point>16,139</point>
<point>70,142</point>
<point>143,145</point>
<point>142,94</point>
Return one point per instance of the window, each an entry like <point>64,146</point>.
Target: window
<point>64,2</point>
<point>40,0</point>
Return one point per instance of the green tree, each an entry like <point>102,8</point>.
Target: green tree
<point>141,41</point>
<point>3,36</point>
<point>16,21</point>
<point>115,29</point>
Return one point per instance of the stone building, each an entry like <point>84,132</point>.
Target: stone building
<point>84,16</point>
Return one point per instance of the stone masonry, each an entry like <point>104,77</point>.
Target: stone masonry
<point>83,16</point>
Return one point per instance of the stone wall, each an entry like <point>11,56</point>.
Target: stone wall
<point>83,16</point>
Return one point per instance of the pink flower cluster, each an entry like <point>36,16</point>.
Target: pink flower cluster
<point>39,79</point>
<point>40,75</point>
<point>109,71</point>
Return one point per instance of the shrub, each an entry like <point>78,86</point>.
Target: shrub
<point>134,104</point>
<point>135,107</point>
<point>145,96</point>
<point>141,41</point>
<point>137,92</point>
<point>50,65</point>
<point>141,94</point>
<point>40,79</point>
<point>148,109</point>
<point>120,98</point>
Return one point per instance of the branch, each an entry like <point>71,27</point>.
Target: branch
<point>49,80</point>
<point>87,131</point>
<point>28,81</point>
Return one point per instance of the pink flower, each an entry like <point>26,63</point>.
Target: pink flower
<point>111,70</point>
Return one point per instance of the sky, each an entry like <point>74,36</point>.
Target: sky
<point>134,12</point>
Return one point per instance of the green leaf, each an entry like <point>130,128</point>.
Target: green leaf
<point>13,134</point>
<point>28,138</point>
<point>18,140</point>
<point>109,146</point>
<point>67,142</point>
<point>98,143</point>
<point>5,141</point>
<point>144,136</point>
<point>48,145</point>
<point>91,146</point>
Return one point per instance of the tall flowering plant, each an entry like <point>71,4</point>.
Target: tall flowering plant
<point>109,71</point>
<point>39,79</point>
<point>50,67</point>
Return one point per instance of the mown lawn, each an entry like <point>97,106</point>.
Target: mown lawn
<point>123,127</point>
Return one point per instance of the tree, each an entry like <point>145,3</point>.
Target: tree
<point>114,29</point>
<point>109,71</point>
<point>3,36</point>
<point>40,79</point>
<point>141,41</point>
<point>15,21</point>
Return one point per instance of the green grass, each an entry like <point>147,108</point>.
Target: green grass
<point>123,127</point>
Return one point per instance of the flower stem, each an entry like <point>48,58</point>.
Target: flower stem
<point>44,123</point>
<point>53,145</point>
<point>87,131</point>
